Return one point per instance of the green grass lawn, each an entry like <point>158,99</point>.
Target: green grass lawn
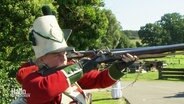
<point>149,76</point>
<point>175,61</point>
<point>104,97</point>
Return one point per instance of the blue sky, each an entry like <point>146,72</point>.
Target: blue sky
<point>132,14</point>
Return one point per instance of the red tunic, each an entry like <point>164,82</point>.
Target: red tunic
<point>47,90</point>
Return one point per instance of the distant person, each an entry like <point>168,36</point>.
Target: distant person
<point>116,91</point>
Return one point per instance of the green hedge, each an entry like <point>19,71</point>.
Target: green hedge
<point>7,81</point>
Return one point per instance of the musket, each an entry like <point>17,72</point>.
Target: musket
<point>108,56</point>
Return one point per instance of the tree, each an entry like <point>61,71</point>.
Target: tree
<point>86,19</point>
<point>93,27</point>
<point>150,34</point>
<point>16,19</point>
<point>132,34</point>
<point>173,24</point>
<point>115,37</point>
<point>113,34</point>
<point>168,30</point>
<point>125,42</point>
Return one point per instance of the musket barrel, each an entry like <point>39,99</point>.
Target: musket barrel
<point>154,51</point>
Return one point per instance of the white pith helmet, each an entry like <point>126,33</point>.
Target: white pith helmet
<point>48,37</point>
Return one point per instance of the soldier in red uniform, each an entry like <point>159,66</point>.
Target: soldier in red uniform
<point>63,86</point>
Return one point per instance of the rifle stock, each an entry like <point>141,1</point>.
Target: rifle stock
<point>142,53</point>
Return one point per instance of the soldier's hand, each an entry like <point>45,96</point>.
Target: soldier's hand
<point>127,60</point>
<point>117,69</point>
<point>87,64</point>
